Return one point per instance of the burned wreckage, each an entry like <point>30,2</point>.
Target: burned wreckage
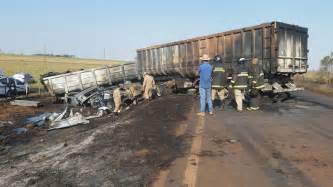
<point>94,87</point>
<point>281,49</point>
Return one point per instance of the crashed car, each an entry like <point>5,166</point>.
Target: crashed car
<point>10,87</point>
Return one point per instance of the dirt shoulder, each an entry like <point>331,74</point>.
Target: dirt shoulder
<point>318,88</point>
<point>124,151</point>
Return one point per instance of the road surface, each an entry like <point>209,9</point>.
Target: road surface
<point>284,144</point>
<point>164,143</point>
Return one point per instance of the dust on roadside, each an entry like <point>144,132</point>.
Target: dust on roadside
<point>127,151</point>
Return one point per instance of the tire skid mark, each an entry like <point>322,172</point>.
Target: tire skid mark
<point>283,162</point>
<point>258,155</point>
<point>326,106</point>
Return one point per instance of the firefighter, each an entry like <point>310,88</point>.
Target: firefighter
<point>240,82</point>
<point>219,82</point>
<point>256,82</point>
<point>117,100</point>
<point>148,86</point>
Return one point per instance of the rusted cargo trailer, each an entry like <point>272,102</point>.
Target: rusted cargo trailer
<point>81,80</point>
<point>280,47</point>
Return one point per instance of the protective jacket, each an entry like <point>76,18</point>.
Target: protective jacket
<point>256,76</point>
<point>240,76</point>
<point>117,100</point>
<point>148,86</point>
<point>220,75</point>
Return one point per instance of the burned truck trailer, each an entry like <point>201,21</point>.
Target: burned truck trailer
<point>280,47</point>
<point>96,77</point>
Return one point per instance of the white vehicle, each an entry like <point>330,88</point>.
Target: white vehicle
<point>23,77</point>
<point>10,87</point>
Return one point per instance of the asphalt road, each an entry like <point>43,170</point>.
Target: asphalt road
<point>164,143</point>
<point>284,144</point>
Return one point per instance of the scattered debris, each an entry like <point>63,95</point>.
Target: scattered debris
<point>4,123</point>
<point>232,141</point>
<point>26,103</point>
<point>206,153</point>
<point>101,111</point>
<point>280,171</point>
<point>20,130</point>
<point>72,120</point>
<point>224,140</point>
<point>39,120</point>
<point>2,137</point>
<point>276,155</point>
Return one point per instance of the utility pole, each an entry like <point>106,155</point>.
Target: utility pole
<point>104,53</point>
<point>45,62</point>
<point>43,65</point>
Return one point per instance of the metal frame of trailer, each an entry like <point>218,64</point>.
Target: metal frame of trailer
<point>281,47</point>
<point>80,80</point>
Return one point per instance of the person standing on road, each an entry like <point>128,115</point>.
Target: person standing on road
<point>219,82</point>
<point>205,73</point>
<point>256,79</point>
<point>148,86</point>
<point>240,82</point>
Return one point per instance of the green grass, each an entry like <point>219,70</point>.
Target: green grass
<point>38,65</point>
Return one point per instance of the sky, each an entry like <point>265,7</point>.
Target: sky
<point>87,28</point>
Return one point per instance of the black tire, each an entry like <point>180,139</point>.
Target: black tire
<point>11,94</point>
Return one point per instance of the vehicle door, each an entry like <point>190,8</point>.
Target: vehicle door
<point>20,86</point>
<point>3,86</point>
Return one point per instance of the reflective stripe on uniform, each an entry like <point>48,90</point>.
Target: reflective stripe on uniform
<point>243,74</point>
<point>217,86</point>
<point>219,69</point>
<point>229,77</point>
<point>261,74</point>
<point>240,86</point>
<point>232,81</point>
<point>250,76</point>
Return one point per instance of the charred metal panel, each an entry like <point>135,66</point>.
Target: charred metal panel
<point>247,44</point>
<point>292,50</point>
<point>80,80</point>
<point>282,48</point>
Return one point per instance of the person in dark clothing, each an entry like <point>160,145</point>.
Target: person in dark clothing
<point>256,82</point>
<point>219,82</point>
<point>240,82</point>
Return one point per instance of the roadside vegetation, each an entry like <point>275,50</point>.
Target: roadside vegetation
<point>320,81</point>
<point>38,65</point>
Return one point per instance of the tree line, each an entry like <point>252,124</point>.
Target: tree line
<point>326,67</point>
